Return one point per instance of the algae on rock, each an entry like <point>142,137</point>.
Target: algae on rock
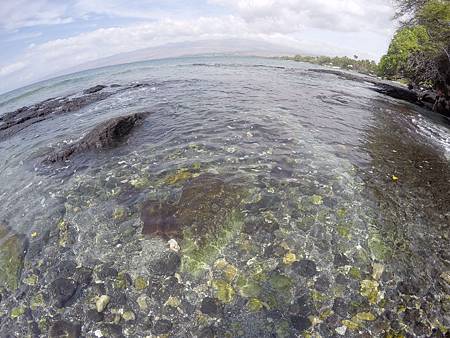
<point>12,248</point>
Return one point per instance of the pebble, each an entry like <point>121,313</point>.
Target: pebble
<point>162,326</point>
<point>305,267</point>
<point>209,306</point>
<point>62,291</point>
<point>173,245</point>
<point>102,302</point>
<point>62,328</point>
<point>341,330</point>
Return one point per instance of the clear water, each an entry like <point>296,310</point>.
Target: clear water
<point>317,156</point>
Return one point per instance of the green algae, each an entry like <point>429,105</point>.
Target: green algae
<point>280,282</point>
<point>229,270</point>
<point>369,289</point>
<point>119,214</point>
<point>365,316</point>
<point>351,325</point>
<point>31,280</point>
<point>317,200</point>
<point>378,247</point>
<point>140,182</point>
<point>199,255</point>
<point>255,305</point>
<point>341,212</point>
<point>140,283</point>
<point>223,291</point>
<point>180,176</point>
<point>354,272</point>
<point>343,230</point>
<point>11,258</point>
<point>17,312</point>
<point>121,281</point>
<point>37,301</point>
<point>63,232</point>
<point>250,289</point>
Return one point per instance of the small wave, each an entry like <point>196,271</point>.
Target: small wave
<point>437,133</point>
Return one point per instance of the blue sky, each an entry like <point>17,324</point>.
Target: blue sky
<point>42,37</point>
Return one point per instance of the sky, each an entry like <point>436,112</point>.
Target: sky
<point>39,38</point>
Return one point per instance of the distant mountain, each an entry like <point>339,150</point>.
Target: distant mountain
<point>241,47</point>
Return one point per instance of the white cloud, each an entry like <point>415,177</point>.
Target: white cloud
<point>290,15</point>
<point>12,68</point>
<point>24,13</point>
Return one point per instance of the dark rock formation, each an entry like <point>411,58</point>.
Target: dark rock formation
<point>13,122</point>
<point>94,89</point>
<point>159,219</point>
<point>106,135</point>
<point>63,328</point>
<point>397,92</point>
<point>62,290</point>
<point>427,99</point>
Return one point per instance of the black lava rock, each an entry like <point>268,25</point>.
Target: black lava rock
<point>340,307</point>
<point>61,328</point>
<point>167,265</point>
<point>105,135</point>
<point>300,323</point>
<point>94,316</point>
<point>162,326</point>
<point>340,260</point>
<point>305,267</point>
<point>62,290</point>
<point>94,89</point>
<point>408,288</point>
<point>322,284</point>
<point>209,306</point>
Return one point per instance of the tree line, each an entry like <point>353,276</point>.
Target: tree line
<point>420,49</point>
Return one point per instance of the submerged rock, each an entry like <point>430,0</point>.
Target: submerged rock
<point>106,135</point>
<point>12,249</point>
<point>13,122</point>
<point>94,89</point>
<point>62,291</point>
<point>61,328</point>
<point>159,219</point>
<point>205,219</point>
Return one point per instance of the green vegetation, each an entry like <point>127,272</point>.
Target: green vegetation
<point>420,49</point>
<point>362,66</point>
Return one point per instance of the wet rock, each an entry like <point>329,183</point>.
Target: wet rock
<point>302,306</point>
<point>340,260</point>
<point>340,307</point>
<point>305,268</point>
<point>209,306</point>
<point>167,264</point>
<point>12,249</point>
<point>94,89</point>
<point>408,288</point>
<point>13,122</point>
<point>341,279</point>
<point>162,326</point>
<point>112,330</point>
<point>64,329</point>
<point>322,283</point>
<point>207,332</point>
<point>62,290</point>
<point>300,323</point>
<point>106,135</point>
<point>94,316</point>
<point>159,219</point>
<point>106,271</point>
